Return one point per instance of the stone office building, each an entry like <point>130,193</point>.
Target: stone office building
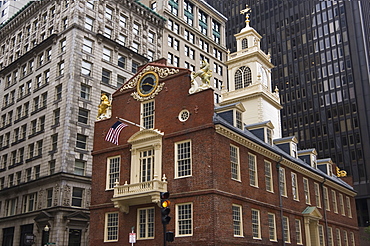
<point>56,59</point>
<point>232,178</point>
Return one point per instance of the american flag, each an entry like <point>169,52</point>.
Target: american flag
<point>113,133</point>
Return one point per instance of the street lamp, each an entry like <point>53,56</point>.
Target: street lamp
<point>46,238</point>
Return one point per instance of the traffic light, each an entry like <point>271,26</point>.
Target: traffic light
<point>165,210</point>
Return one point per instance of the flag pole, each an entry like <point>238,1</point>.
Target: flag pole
<point>132,123</point>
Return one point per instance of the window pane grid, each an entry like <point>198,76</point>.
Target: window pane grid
<point>237,221</point>
<point>234,162</point>
<point>184,217</point>
<point>148,115</point>
<point>114,164</point>
<point>112,227</point>
<point>252,170</point>
<point>184,159</point>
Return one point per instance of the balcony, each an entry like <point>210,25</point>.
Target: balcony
<point>140,193</point>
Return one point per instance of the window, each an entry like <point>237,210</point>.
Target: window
<point>87,45</point>
<point>306,189</point>
<point>317,195</point>
<point>107,32</point>
<point>272,227</point>
<point>90,4</point>
<point>338,237</point>
<point>85,92</point>
<point>147,115</point>
<point>83,115</point>
<point>122,20</point>
<point>189,36</point>
<point>238,120</point>
<point>173,5</point>
<point>256,224</point>
<point>54,142</point>
<point>188,12</point>
<point>349,210</point>
<point>202,22</point>
<point>37,171</point>
<point>282,181</point>
<point>49,197</point>
<point>121,39</point>
<point>62,46</point>
<point>234,160</point>
<point>120,81</point>
<point>237,220</point>
<point>173,26</point>
<point>298,231</point>
<point>105,78</point>
<point>243,77</point>
<point>295,187</point>
<point>61,68</point>
<point>151,36</point>
<point>216,30</point>
<point>286,231</point>
<point>11,206</point>
<point>183,159</point>
<point>135,65</point>
<point>51,167</point>
<point>268,177</point>
<point>330,237</point>
<point>113,166</point>
<point>184,219</point>
<point>107,54</point>
<point>326,199</point>
<point>29,202</point>
<point>321,235</point>
<point>86,68</point>
<point>244,43</point>
<point>80,167</point>
<point>345,238</point>
<point>89,23</point>
<point>56,116</point>
<point>77,197</point>
<point>108,13</point>
<point>122,61</point>
<point>252,163</point>
<point>136,28</point>
<point>111,227</point>
<point>81,141</point>
<point>341,205</point>
<point>145,222</point>
<point>352,238</point>
<point>334,198</point>
<point>146,165</point>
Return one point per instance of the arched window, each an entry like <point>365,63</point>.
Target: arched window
<point>243,77</point>
<point>244,43</point>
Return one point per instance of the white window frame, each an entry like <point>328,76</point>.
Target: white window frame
<point>321,235</point>
<point>282,182</point>
<point>146,224</point>
<point>286,231</point>
<point>338,237</point>
<point>317,194</point>
<point>113,163</point>
<point>335,203</point>
<point>298,231</point>
<point>237,215</point>
<point>180,221</point>
<point>306,188</point>
<point>295,191</point>
<point>234,162</point>
<point>110,225</point>
<point>183,159</point>
<point>252,167</point>
<point>326,198</point>
<point>256,224</point>
<point>341,205</point>
<point>272,227</point>
<point>349,209</point>
<point>147,115</point>
<point>269,177</point>
<point>330,237</point>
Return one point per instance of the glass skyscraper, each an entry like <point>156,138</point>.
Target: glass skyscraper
<point>321,53</point>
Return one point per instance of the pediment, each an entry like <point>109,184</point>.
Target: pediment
<point>78,215</point>
<point>312,212</point>
<point>43,216</point>
<point>145,135</point>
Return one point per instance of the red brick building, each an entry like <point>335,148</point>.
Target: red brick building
<point>232,180</point>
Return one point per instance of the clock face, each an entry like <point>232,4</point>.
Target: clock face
<point>147,84</point>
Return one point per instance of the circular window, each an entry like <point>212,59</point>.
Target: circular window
<point>184,115</point>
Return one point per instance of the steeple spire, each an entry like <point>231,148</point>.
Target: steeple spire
<point>246,11</point>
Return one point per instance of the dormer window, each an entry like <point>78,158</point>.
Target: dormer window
<point>269,136</point>
<point>313,161</point>
<point>294,149</point>
<point>244,43</point>
<point>238,120</point>
<point>243,77</point>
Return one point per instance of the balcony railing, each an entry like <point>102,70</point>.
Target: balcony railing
<point>140,193</point>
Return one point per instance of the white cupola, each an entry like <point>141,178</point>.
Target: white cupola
<point>249,77</point>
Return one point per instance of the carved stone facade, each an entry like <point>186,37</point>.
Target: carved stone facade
<point>56,60</point>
